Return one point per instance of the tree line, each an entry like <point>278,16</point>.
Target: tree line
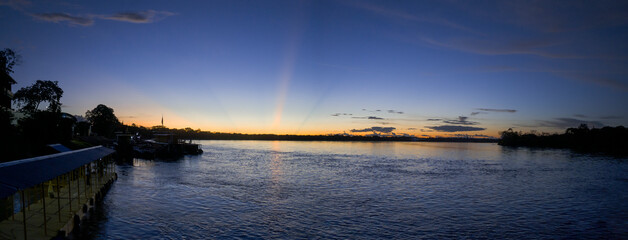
<point>38,119</point>
<point>611,140</point>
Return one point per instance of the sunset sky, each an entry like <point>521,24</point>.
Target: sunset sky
<point>425,68</point>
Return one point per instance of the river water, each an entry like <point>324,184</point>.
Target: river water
<point>367,190</point>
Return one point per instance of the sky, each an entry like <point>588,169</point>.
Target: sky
<point>423,68</point>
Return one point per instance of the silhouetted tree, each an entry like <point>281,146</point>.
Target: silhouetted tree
<point>612,140</point>
<point>8,59</point>
<point>104,122</point>
<point>9,143</point>
<point>29,98</point>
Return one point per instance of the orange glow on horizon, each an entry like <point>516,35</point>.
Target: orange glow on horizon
<point>254,131</point>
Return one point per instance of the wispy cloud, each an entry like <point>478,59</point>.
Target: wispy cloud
<point>15,4</point>
<point>497,110</point>
<point>454,128</point>
<point>148,16</point>
<point>556,16</point>
<point>401,15</point>
<point>594,117</point>
<point>375,129</point>
<point>568,123</point>
<point>410,129</point>
<point>501,47</point>
<point>433,119</point>
<point>369,117</point>
<point>487,110</point>
<point>341,114</point>
<point>394,111</point>
<point>611,117</point>
<point>462,120</point>
<point>64,17</point>
<point>599,80</point>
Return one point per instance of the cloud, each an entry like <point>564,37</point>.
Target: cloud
<point>369,117</point>
<point>379,110</point>
<point>494,46</point>
<point>64,17</point>
<point>411,129</point>
<point>375,129</point>
<point>434,119</point>
<point>148,16</point>
<point>401,15</point>
<point>497,110</point>
<point>499,68</point>
<point>341,114</point>
<point>15,4</point>
<point>599,80</point>
<point>602,117</point>
<point>453,128</point>
<point>568,123</point>
<point>462,120</point>
<point>139,17</point>
<point>486,110</point>
<point>556,17</point>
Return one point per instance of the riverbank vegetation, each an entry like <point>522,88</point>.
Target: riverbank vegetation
<point>611,140</point>
<point>189,133</point>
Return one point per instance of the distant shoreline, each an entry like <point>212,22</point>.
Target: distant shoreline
<point>305,138</point>
<point>606,140</point>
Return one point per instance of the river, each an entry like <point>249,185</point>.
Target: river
<point>367,190</point>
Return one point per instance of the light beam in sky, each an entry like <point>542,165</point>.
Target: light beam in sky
<point>287,69</point>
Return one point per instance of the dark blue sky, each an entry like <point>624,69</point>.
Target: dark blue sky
<point>430,67</point>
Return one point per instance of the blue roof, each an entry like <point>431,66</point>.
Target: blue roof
<point>25,173</point>
<point>59,148</point>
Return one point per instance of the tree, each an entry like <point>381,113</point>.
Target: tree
<point>29,98</point>
<point>104,122</point>
<point>8,59</point>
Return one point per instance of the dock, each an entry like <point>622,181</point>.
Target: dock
<point>49,196</point>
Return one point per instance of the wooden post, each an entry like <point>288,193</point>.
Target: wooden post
<point>70,190</point>
<point>43,201</point>
<point>23,212</point>
<point>58,200</point>
<point>85,185</point>
<point>91,179</point>
<point>78,190</point>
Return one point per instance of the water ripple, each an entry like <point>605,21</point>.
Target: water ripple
<point>322,190</point>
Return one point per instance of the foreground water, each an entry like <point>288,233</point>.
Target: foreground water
<point>341,190</point>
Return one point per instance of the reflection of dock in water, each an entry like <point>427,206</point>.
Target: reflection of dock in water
<point>49,196</point>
